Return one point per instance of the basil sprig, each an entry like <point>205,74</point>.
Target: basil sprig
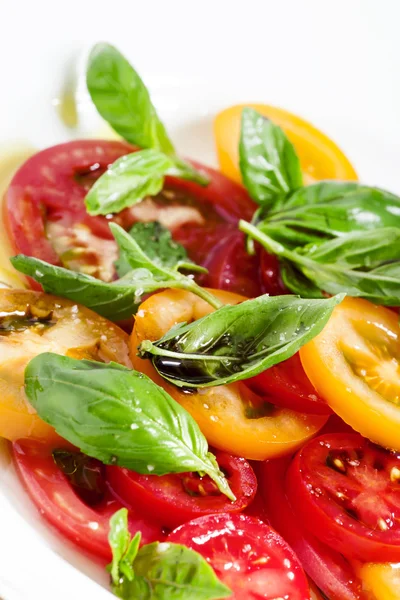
<point>142,274</point>
<point>119,416</point>
<point>327,210</point>
<point>158,571</point>
<point>238,342</point>
<point>268,161</point>
<point>361,264</point>
<point>123,100</point>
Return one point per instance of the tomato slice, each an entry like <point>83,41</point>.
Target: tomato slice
<point>347,493</point>
<point>87,526</point>
<point>232,268</point>
<point>247,555</point>
<point>32,323</point>
<point>382,581</point>
<point>47,218</point>
<point>270,275</point>
<point>289,386</point>
<point>177,498</point>
<point>331,572</point>
<point>232,417</point>
<point>320,157</point>
<point>354,364</point>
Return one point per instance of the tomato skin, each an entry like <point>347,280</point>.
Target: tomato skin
<point>232,417</point>
<point>289,386</point>
<point>172,499</point>
<point>270,275</point>
<point>231,268</point>
<point>338,485</point>
<point>247,555</point>
<point>86,526</point>
<point>327,568</point>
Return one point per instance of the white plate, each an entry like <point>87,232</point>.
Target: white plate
<point>334,63</point>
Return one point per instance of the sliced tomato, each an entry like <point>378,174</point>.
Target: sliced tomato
<point>47,218</point>
<point>232,268</point>
<point>320,157</point>
<point>381,580</point>
<point>247,555</point>
<point>177,498</point>
<point>354,364</point>
<point>32,323</point>
<point>57,501</point>
<point>286,384</point>
<point>331,572</point>
<point>346,491</point>
<point>232,417</point>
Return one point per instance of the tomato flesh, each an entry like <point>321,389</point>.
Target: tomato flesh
<point>346,490</point>
<point>177,498</point>
<point>331,572</point>
<point>247,555</point>
<point>287,385</point>
<point>85,525</point>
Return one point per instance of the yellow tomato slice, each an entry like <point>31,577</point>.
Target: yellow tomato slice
<point>32,323</point>
<point>354,363</point>
<point>320,157</point>
<point>381,581</point>
<point>231,417</point>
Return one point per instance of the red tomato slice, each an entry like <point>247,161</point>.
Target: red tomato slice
<point>46,216</point>
<point>232,268</point>
<point>346,491</point>
<point>247,555</point>
<point>177,498</point>
<point>56,500</point>
<point>290,387</point>
<point>329,569</point>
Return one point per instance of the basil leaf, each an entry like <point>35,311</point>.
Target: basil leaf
<point>118,416</point>
<point>119,299</point>
<point>156,241</point>
<point>127,181</point>
<point>329,209</point>
<point>116,301</point>
<point>124,549</point>
<point>159,571</point>
<point>123,100</point>
<point>361,264</point>
<point>268,161</point>
<point>238,342</point>
<point>85,474</point>
<point>130,179</point>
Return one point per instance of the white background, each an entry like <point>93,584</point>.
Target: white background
<point>336,63</point>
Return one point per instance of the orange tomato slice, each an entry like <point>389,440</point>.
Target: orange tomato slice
<point>354,363</point>
<point>232,418</point>
<point>380,580</point>
<point>320,157</point>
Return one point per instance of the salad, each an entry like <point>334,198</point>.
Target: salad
<point>200,369</point>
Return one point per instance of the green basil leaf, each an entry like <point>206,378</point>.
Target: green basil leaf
<point>85,474</point>
<point>329,209</point>
<point>127,181</point>
<point>118,416</point>
<point>130,179</point>
<point>119,299</point>
<point>121,545</point>
<point>123,100</point>
<point>362,264</point>
<point>238,342</point>
<point>116,301</point>
<point>159,571</point>
<point>268,161</point>
<point>156,241</point>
